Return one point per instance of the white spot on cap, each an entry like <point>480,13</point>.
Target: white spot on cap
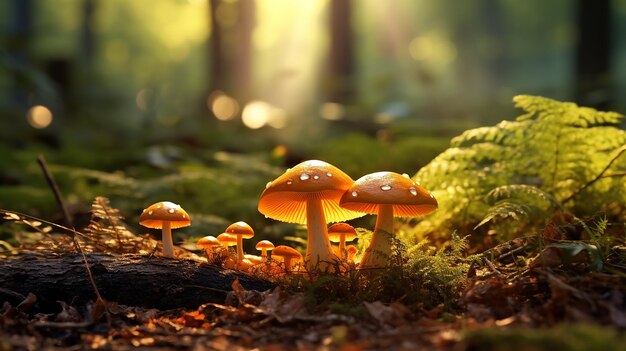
<point>158,206</point>
<point>268,185</point>
<point>431,195</point>
<point>289,182</point>
<point>406,175</point>
<point>416,182</point>
<point>304,176</point>
<point>329,174</point>
<point>316,177</point>
<point>354,194</point>
<point>171,210</point>
<point>150,212</point>
<point>385,187</point>
<point>413,191</point>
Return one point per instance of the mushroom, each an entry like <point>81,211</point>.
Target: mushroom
<point>227,240</point>
<point>208,243</point>
<point>165,215</point>
<point>386,194</point>
<point>351,250</point>
<point>264,246</point>
<point>340,233</point>
<point>309,194</point>
<point>254,259</point>
<point>241,230</point>
<point>288,254</point>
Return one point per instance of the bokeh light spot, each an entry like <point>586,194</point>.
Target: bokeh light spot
<point>39,116</point>
<point>256,114</point>
<point>332,111</point>
<point>223,106</point>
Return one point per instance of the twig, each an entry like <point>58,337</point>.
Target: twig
<point>55,190</point>
<point>57,194</point>
<point>597,177</point>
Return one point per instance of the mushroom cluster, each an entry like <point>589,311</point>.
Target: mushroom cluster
<point>314,193</point>
<point>309,194</point>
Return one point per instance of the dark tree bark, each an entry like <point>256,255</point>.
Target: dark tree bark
<point>152,282</point>
<point>593,76</point>
<point>19,40</point>
<point>231,47</point>
<point>341,60</point>
<point>87,36</point>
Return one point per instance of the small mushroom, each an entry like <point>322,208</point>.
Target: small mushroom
<point>264,246</point>
<point>241,230</point>
<point>351,250</point>
<point>340,233</point>
<point>309,194</point>
<point>288,254</point>
<point>254,259</point>
<point>386,194</point>
<point>208,243</point>
<point>227,240</point>
<point>165,215</point>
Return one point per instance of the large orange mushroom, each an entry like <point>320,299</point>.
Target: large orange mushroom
<point>309,194</point>
<point>386,194</point>
<point>165,215</point>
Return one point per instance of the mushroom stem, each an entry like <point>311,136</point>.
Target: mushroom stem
<point>264,254</point>
<point>342,245</point>
<point>318,251</point>
<point>287,264</point>
<point>379,250</point>
<point>166,237</point>
<point>240,255</point>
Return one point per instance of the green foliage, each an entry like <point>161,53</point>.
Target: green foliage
<point>555,155</point>
<point>421,274</point>
<point>563,337</point>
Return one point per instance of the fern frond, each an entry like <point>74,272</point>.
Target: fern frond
<point>548,155</point>
<point>520,190</point>
<point>506,209</point>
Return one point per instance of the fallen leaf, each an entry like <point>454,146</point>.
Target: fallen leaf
<point>393,314</point>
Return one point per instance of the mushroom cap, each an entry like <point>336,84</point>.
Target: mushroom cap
<point>240,228</point>
<point>226,238</point>
<point>264,244</point>
<point>285,198</point>
<point>351,249</point>
<point>408,198</point>
<point>254,259</point>
<point>286,251</point>
<point>207,242</point>
<point>156,214</point>
<point>335,231</point>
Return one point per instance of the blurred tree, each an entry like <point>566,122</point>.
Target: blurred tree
<point>232,23</point>
<point>593,78</point>
<point>19,40</point>
<point>87,38</point>
<point>340,66</point>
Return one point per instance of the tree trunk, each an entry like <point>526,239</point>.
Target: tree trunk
<point>340,65</point>
<point>152,282</point>
<point>593,78</point>
<point>231,47</point>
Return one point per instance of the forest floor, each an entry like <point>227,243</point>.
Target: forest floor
<point>565,306</point>
<point>518,296</point>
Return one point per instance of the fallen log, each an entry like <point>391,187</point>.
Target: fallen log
<point>151,282</point>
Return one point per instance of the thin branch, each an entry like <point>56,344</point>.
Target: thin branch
<point>55,190</point>
<point>597,177</point>
<point>59,198</point>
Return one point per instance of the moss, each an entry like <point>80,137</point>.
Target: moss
<point>577,337</point>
